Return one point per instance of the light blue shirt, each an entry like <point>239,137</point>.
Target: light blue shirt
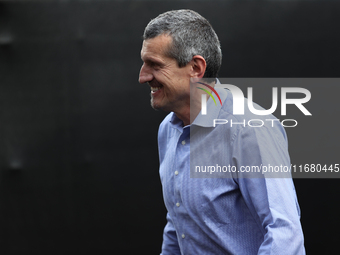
<point>227,212</point>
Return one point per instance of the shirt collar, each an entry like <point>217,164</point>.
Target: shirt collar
<point>176,122</point>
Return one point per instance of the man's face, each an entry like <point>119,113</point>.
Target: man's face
<point>170,84</point>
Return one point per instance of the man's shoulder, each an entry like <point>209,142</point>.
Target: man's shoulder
<point>248,121</point>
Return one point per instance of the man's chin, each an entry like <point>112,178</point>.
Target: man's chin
<point>154,105</point>
<point>158,107</point>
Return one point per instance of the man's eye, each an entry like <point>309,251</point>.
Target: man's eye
<point>155,66</point>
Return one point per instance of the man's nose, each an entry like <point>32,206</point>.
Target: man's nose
<point>145,75</point>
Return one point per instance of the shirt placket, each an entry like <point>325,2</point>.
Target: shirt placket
<point>182,166</point>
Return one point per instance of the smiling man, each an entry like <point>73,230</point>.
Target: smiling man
<point>169,82</point>
<point>170,90</point>
<point>229,215</point>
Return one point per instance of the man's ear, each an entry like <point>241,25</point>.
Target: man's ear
<point>198,66</point>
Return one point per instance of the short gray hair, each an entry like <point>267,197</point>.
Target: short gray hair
<point>191,35</point>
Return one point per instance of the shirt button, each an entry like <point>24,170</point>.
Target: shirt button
<point>183,142</point>
<point>183,236</point>
<point>176,172</point>
<point>177,204</point>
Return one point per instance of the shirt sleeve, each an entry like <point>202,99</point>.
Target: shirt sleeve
<point>271,198</point>
<point>170,244</point>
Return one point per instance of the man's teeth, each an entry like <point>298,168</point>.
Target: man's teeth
<point>154,89</point>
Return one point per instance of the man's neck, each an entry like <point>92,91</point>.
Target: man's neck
<point>189,113</point>
<point>184,116</point>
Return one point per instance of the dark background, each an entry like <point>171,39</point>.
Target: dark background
<point>78,138</point>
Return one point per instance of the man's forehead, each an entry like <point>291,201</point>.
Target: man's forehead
<point>159,42</point>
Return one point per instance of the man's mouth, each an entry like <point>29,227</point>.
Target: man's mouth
<point>155,89</point>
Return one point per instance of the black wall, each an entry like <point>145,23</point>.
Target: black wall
<point>78,147</point>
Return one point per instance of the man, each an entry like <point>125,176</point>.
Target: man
<point>235,214</point>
